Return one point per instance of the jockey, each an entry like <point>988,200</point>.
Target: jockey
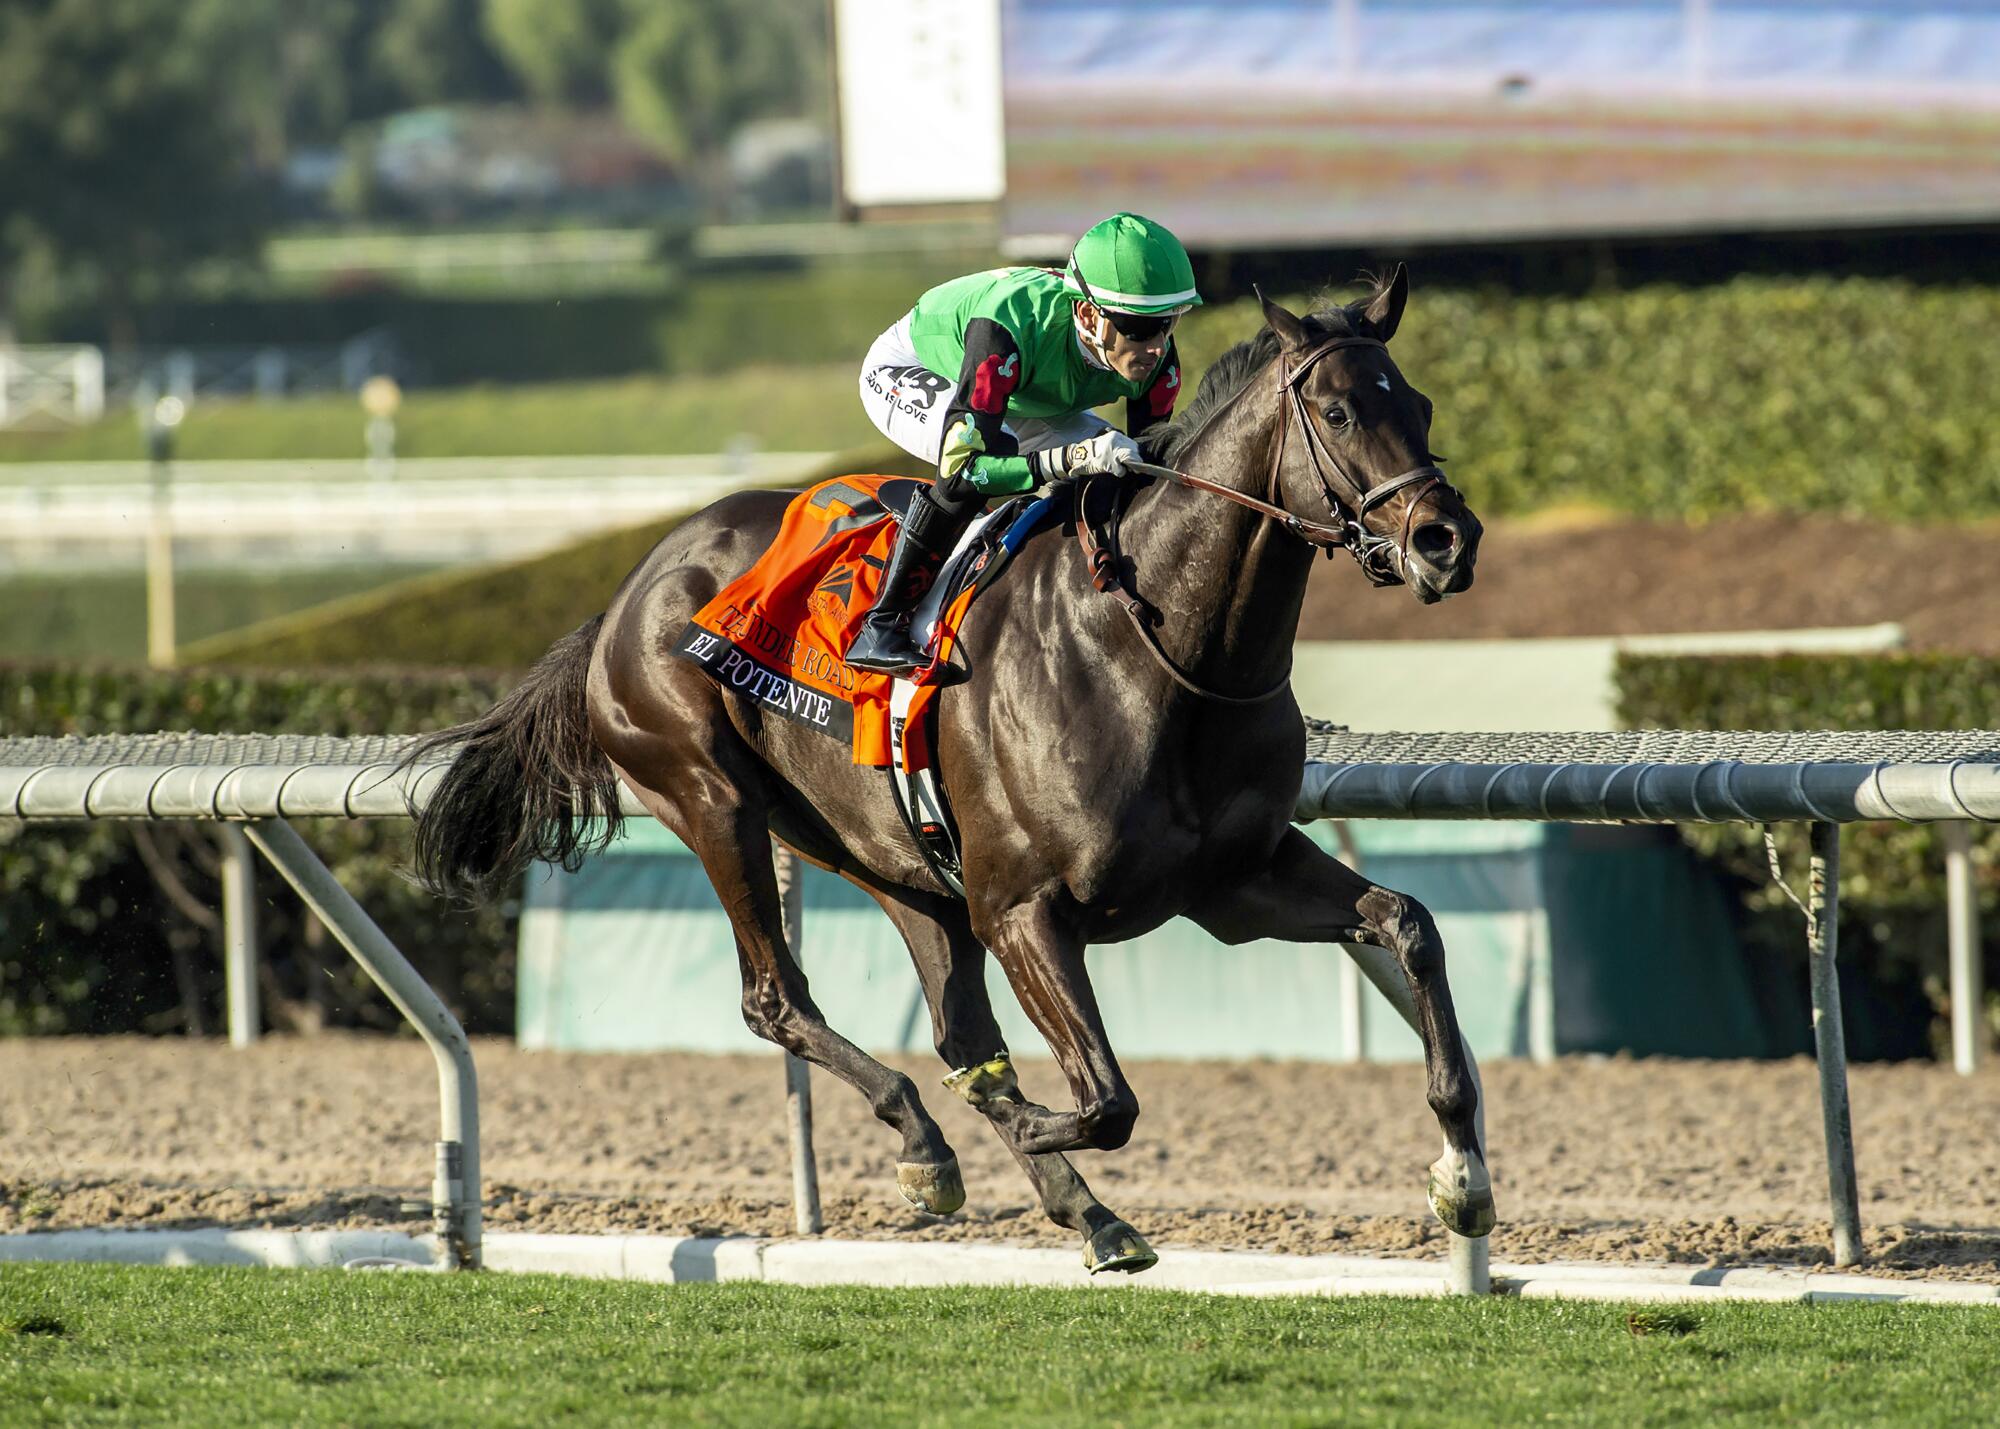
<point>994,376</point>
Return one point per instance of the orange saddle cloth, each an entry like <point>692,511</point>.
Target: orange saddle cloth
<point>777,633</point>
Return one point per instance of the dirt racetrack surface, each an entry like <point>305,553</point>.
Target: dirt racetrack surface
<point>1593,1159</point>
<point>1579,575</point>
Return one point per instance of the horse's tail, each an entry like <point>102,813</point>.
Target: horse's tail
<point>527,782</point>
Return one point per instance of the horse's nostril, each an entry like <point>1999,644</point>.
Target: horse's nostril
<point>1436,542</point>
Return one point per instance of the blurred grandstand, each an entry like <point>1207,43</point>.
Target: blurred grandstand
<point>1299,123</point>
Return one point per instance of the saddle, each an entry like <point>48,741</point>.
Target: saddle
<point>776,634</point>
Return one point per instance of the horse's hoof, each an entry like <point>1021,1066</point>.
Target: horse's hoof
<point>1118,1247</point>
<point>939,1189</point>
<point>1463,1207</point>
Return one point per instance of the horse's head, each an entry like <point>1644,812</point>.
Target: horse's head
<point>1362,445</point>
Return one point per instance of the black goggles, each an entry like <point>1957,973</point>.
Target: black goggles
<point>1140,326</point>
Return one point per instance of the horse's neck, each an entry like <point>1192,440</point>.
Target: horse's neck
<point>1227,582</point>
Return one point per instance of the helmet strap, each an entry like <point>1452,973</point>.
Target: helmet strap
<point>1093,338</point>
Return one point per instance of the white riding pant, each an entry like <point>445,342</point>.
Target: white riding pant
<point>907,403</point>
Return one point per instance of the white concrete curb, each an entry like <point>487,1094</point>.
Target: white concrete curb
<point>692,1259</point>
<point>276,1248</point>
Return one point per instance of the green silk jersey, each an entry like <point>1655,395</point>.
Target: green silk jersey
<point>1056,379</point>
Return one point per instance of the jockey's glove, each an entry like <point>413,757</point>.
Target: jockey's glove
<point>1102,455</point>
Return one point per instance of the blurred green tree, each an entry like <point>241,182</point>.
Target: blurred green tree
<point>115,155</point>
<point>437,51</point>
<point>684,74</point>
<point>357,191</point>
<point>304,71</point>
<point>287,67</point>
<point>559,49</point>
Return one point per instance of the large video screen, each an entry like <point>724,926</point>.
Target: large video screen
<point>1276,123</point>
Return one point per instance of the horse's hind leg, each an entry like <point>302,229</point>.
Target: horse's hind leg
<point>723,817</point>
<point>1305,896</point>
<point>952,966</point>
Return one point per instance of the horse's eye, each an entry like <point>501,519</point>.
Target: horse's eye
<point>1337,416</point>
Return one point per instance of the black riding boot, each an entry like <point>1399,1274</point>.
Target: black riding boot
<point>930,530</point>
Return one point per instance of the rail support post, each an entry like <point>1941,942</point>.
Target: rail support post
<point>1830,1042</point>
<point>1353,1001</point>
<point>455,1186</point>
<point>1968,992</point>
<point>239,935</point>
<point>798,1075</point>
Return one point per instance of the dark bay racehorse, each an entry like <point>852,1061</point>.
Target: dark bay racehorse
<point>1097,794</point>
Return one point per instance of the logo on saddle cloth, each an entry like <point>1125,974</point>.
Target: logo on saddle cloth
<point>778,632</point>
<point>831,596</point>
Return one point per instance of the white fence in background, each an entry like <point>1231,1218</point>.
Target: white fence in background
<point>46,388</point>
<point>60,514</point>
<point>270,372</point>
<point>50,387</point>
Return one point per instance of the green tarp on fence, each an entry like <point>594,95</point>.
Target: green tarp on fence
<point>1560,939</point>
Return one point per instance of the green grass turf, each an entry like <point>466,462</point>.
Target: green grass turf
<point>99,1344</point>
<point>779,409</point>
<point>101,615</point>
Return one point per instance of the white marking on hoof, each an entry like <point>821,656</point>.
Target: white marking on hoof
<point>1461,1192</point>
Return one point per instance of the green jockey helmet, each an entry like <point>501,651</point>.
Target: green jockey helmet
<point>1129,264</point>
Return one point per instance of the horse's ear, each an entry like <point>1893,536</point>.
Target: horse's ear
<point>1290,329</point>
<point>1385,309</point>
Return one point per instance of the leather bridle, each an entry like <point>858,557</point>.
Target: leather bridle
<point>1381,559</point>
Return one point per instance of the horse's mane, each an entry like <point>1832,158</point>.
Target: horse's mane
<point>1167,441</point>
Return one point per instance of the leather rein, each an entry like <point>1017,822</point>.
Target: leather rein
<point>1379,557</point>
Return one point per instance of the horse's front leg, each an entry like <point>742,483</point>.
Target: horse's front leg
<point>1043,959</point>
<point>1306,896</point>
<point>952,965</point>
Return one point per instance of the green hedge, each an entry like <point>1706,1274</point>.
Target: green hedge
<point>1794,692</point>
<point>1892,875</point>
<point>497,617</point>
<point>1793,394</point>
<point>91,942</point>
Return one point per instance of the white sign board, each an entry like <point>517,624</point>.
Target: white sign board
<point>919,101</point>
